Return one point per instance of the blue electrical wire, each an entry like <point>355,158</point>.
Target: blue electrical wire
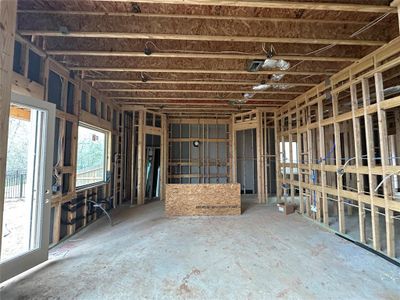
<point>314,173</point>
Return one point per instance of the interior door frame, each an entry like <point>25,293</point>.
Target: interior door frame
<point>261,195</point>
<point>19,264</point>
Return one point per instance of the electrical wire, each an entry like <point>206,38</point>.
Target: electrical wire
<point>354,34</point>
<point>197,51</point>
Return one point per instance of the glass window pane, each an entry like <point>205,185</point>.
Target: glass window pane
<point>22,194</point>
<point>91,156</point>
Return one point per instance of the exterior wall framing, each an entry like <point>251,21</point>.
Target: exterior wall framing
<point>357,119</point>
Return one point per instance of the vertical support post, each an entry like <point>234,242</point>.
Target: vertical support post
<point>260,159</point>
<point>123,158</point>
<point>141,159</point>
<point>233,157</point>
<point>322,153</point>
<point>397,143</point>
<point>370,145</point>
<point>309,160</point>
<point>358,160</point>
<point>8,16</point>
<point>291,175</point>
<point>299,160</point>
<point>277,159</point>
<point>266,156</point>
<point>338,151</point>
<point>133,154</point>
<point>164,156</point>
<point>283,183</point>
<point>384,145</point>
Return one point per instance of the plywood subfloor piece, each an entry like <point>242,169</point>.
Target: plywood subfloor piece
<point>202,199</point>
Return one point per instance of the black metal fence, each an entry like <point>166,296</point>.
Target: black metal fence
<point>15,185</point>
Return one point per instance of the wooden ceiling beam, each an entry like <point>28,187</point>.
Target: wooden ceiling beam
<point>198,104</point>
<point>208,38</point>
<point>129,98</point>
<point>280,5</point>
<point>201,91</point>
<point>195,71</point>
<point>197,55</point>
<point>194,82</point>
<point>188,16</point>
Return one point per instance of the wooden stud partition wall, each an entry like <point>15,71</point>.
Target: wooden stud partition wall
<point>144,122</point>
<point>262,120</point>
<point>346,149</point>
<point>87,105</point>
<point>186,165</point>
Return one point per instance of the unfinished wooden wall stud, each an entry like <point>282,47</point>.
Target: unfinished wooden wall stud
<point>355,165</point>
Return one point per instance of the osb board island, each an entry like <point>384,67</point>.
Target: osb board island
<point>202,199</point>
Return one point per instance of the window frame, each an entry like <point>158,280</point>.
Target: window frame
<point>106,156</point>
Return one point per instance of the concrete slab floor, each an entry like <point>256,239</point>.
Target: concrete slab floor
<point>261,254</point>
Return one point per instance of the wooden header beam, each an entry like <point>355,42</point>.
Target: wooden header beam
<point>279,5</point>
<point>211,38</point>
<point>198,55</point>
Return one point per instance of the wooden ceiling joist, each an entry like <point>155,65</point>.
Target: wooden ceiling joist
<point>196,71</point>
<point>205,103</point>
<point>197,82</point>
<point>198,55</point>
<point>280,5</point>
<point>351,7</point>
<point>190,16</point>
<point>208,38</point>
<point>201,91</point>
<point>192,43</point>
<point>130,98</point>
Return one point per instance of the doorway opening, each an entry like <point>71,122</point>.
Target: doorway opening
<point>21,205</point>
<point>246,157</point>
<point>153,167</point>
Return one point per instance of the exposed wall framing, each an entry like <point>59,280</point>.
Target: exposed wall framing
<point>76,101</point>
<point>209,162</point>
<point>262,121</point>
<point>139,124</point>
<point>347,137</point>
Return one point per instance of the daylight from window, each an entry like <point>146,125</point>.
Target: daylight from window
<point>91,156</point>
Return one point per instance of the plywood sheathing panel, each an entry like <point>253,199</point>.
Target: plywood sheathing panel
<point>197,27</point>
<point>202,199</point>
<point>163,8</point>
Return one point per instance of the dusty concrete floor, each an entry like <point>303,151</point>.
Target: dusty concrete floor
<point>261,254</point>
